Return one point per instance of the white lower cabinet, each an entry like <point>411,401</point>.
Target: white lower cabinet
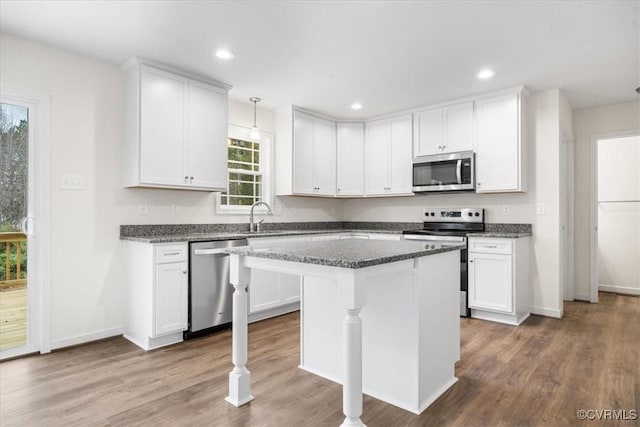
<point>272,293</point>
<point>499,279</point>
<point>156,293</point>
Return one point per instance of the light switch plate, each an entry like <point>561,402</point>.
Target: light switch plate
<point>506,210</point>
<point>72,182</point>
<point>175,209</point>
<point>540,208</point>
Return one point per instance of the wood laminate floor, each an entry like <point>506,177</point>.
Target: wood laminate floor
<point>540,373</point>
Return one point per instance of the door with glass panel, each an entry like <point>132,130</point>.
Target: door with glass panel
<point>17,334</point>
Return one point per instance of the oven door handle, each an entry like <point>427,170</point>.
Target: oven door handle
<point>459,171</point>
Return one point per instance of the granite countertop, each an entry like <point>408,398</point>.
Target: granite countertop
<point>210,236</point>
<point>347,253</point>
<point>501,235</point>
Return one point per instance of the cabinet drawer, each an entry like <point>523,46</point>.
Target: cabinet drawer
<point>500,246</point>
<point>171,253</point>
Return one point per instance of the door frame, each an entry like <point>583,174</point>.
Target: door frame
<point>39,243</point>
<point>593,205</point>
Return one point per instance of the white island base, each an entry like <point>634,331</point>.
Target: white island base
<point>410,330</point>
<point>390,330</point>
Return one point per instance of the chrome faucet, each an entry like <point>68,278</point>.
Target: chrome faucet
<point>252,226</point>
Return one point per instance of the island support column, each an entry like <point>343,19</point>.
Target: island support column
<point>351,285</point>
<point>239,377</point>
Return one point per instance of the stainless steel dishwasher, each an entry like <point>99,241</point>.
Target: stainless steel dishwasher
<point>209,289</point>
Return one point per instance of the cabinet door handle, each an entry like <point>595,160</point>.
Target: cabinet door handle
<point>184,271</point>
<point>171,253</point>
<point>338,190</point>
<point>470,260</point>
<point>191,178</point>
<point>491,246</point>
<point>186,178</point>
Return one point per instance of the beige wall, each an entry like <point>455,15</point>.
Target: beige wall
<point>588,123</point>
<point>86,133</point>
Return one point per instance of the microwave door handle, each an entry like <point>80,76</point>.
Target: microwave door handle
<point>459,171</point>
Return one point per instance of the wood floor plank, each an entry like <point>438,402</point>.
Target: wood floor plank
<point>538,374</point>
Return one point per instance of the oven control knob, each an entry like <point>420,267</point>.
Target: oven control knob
<point>433,214</point>
<point>477,213</point>
<point>470,214</point>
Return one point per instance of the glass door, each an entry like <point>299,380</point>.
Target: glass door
<point>15,312</point>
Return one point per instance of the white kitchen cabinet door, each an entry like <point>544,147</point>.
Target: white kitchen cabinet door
<point>498,144</point>
<point>163,113</point>
<point>289,288</point>
<point>458,125</point>
<point>350,159</point>
<point>400,157</point>
<point>207,137</point>
<point>491,282</point>
<point>303,151</point>
<point>171,298</point>
<point>377,136</point>
<point>428,132</point>
<point>324,156</point>
<point>263,290</point>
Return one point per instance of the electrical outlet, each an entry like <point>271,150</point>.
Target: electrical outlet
<point>143,209</point>
<point>175,209</point>
<point>506,210</point>
<point>72,182</point>
<point>540,208</point>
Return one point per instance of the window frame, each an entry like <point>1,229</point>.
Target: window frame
<point>266,161</point>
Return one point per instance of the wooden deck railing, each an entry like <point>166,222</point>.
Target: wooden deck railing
<point>12,243</point>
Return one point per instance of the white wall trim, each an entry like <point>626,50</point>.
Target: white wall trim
<point>593,200</point>
<point>83,339</point>
<point>548,312</point>
<point>619,289</point>
<point>582,297</point>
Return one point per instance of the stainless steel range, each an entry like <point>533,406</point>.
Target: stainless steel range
<point>451,225</point>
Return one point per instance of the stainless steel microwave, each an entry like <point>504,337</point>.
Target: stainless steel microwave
<point>444,172</point>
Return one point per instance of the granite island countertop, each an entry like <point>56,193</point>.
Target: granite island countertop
<point>347,253</point>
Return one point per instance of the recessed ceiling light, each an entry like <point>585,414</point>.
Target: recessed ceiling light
<point>485,74</point>
<point>356,106</point>
<point>224,54</point>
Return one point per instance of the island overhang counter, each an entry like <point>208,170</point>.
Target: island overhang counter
<point>376,316</point>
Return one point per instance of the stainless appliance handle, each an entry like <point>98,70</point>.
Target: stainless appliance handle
<point>210,251</point>
<point>459,171</point>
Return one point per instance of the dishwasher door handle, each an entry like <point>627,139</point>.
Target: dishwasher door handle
<point>218,251</point>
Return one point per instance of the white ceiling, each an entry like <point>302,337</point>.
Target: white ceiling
<point>388,55</point>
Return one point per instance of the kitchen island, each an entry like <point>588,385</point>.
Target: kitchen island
<point>376,316</point>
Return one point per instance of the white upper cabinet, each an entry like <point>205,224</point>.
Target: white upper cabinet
<point>314,154</point>
<point>388,156</point>
<point>500,149</point>
<point>446,129</point>
<point>377,137</point>
<point>206,134</point>
<point>324,155</point>
<point>303,160</point>
<point>176,129</point>
<point>350,159</point>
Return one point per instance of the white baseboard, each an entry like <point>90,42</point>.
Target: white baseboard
<point>81,339</point>
<point>619,289</point>
<point>549,312</point>
<point>582,297</point>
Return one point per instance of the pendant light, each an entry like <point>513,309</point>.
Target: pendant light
<point>255,132</point>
